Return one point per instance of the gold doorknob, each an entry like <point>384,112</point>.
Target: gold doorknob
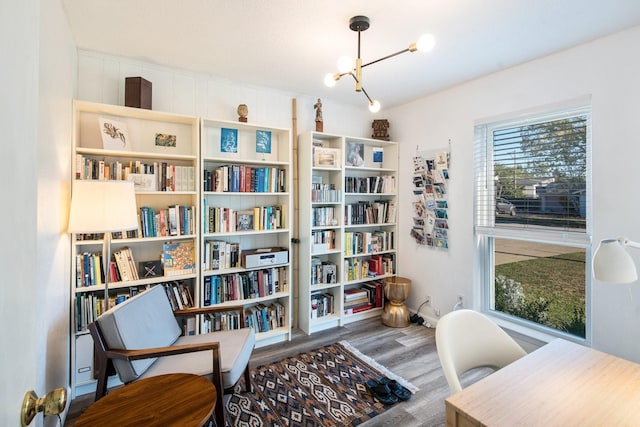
<point>51,403</point>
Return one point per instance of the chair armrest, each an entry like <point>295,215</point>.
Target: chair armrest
<point>212,309</point>
<point>147,353</point>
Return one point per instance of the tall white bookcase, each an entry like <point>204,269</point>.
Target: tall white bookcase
<point>347,218</point>
<point>246,206</point>
<point>151,142</point>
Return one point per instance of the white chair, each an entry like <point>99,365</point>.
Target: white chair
<point>466,339</point>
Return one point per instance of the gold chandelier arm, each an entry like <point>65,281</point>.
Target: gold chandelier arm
<point>362,89</point>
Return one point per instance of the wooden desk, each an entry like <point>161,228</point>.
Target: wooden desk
<point>164,400</point>
<point>560,384</point>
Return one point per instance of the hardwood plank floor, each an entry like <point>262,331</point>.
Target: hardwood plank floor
<point>408,352</point>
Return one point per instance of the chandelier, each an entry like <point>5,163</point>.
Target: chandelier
<point>346,65</point>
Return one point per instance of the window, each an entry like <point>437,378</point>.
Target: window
<point>532,198</point>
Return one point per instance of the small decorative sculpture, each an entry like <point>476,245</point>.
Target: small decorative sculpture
<point>318,107</point>
<point>243,111</point>
<point>380,129</point>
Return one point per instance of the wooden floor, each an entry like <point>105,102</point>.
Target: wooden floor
<point>408,352</point>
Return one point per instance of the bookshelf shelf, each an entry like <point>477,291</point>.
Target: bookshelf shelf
<point>323,194</point>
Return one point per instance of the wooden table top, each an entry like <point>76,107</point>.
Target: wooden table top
<point>164,400</point>
<point>560,384</point>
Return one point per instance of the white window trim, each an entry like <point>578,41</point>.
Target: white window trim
<point>483,233</point>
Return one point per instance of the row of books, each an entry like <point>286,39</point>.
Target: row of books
<point>89,268</point>
<point>373,184</point>
<point>177,220</point>
<point>323,271</point>
<point>325,193</point>
<point>324,216</point>
<point>368,242</point>
<point>179,294</point>
<point>367,296</point>
<point>323,240</point>
<point>266,318</point>
<point>244,285</point>
<point>155,176</point>
<point>221,321</point>
<point>376,265</point>
<point>220,255</point>
<point>90,306</point>
<point>239,178</point>
<point>322,304</point>
<point>365,212</point>
<point>228,220</point>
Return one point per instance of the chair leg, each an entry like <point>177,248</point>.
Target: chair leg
<point>247,380</point>
<point>220,410</point>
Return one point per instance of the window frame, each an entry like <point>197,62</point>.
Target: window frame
<point>486,230</point>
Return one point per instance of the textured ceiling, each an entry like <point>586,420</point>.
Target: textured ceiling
<point>291,44</point>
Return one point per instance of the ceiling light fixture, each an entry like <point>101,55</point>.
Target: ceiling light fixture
<point>346,65</point>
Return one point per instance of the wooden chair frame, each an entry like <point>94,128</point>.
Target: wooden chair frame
<point>104,357</point>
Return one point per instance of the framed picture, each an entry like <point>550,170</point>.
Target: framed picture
<point>165,140</point>
<point>355,154</point>
<point>263,141</point>
<point>229,140</point>
<point>326,157</point>
<point>244,220</point>
<point>114,135</point>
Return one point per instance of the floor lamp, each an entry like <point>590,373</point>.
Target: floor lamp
<point>612,263</point>
<point>103,207</point>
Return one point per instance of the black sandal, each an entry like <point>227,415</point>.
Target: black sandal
<point>396,388</point>
<point>381,392</point>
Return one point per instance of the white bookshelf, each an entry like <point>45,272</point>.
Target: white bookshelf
<point>91,160</point>
<point>323,214</point>
<point>269,201</point>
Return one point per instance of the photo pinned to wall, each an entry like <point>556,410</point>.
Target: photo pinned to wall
<point>165,140</point>
<point>263,141</point>
<point>228,140</point>
<point>114,135</point>
<point>430,204</point>
<point>355,154</point>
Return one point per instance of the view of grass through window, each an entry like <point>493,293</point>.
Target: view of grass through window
<point>543,283</point>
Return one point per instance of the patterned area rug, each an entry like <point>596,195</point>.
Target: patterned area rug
<point>324,387</point>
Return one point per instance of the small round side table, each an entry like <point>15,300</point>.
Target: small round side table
<point>396,291</point>
<point>178,400</point>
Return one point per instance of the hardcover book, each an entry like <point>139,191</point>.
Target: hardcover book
<point>178,258</point>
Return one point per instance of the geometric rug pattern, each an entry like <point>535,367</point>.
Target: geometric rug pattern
<point>324,387</point>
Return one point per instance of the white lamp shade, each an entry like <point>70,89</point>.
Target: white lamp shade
<point>101,206</point>
<point>612,263</point>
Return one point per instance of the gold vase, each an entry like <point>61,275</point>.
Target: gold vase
<point>396,291</point>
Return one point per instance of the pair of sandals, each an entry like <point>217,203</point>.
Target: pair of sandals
<point>387,391</point>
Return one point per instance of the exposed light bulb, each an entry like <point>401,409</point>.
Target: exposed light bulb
<point>330,80</point>
<point>374,106</point>
<point>426,42</point>
<point>345,64</point>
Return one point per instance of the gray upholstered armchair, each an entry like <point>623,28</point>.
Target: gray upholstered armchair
<point>141,338</point>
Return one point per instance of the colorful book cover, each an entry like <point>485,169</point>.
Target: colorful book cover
<point>178,258</point>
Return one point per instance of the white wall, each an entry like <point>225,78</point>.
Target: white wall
<point>101,79</point>
<point>604,69</point>
<point>35,117</point>
<point>57,82</point>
